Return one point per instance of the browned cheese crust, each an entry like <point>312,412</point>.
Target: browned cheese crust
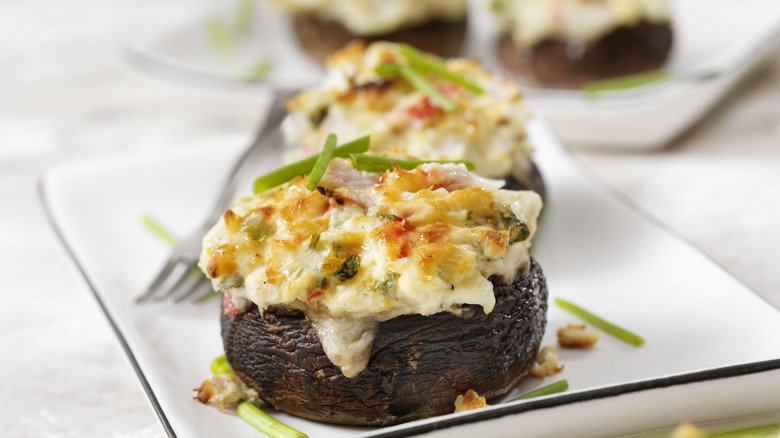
<point>418,366</point>
<point>321,39</point>
<point>624,51</point>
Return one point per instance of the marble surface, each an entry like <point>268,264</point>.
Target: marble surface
<point>65,97</point>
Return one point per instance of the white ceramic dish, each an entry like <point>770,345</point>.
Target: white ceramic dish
<point>716,43</point>
<point>711,350</point>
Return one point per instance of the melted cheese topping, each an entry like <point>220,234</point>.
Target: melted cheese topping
<point>365,248</point>
<point>531,21</point>
<point>488,129</point>
<point>377,17</point>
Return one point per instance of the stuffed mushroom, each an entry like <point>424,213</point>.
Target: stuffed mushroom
<point>567,43</point>
<point>378,298</point>
<point>482,120</point>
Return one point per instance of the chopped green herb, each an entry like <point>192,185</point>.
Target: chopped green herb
<point>372,163</point>
<point>258,71</point>
<point>419,82</point>
<point>322,283</point>
<point>386,216</point>
<point>219,37</point>
<point>220,366</point>
<point>593,89</point>
<point>231,282</point>
<point>265,424</point>
<point>257,227</point>
<point>243,17</point>
<point>322,162</point>
<point>518,230</point>
<point>349,268</point>
<point>387,287</point>
<point>553,388</point>
<point>158,230</point>
<point>286,173</point>
<point>422,62</point>
<point>319,116</point>
<point>609,328</point>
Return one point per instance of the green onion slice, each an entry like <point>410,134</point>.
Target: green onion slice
<point>262,422</point>
<point>286,173</point>
<point>423,62</point>
<point>220,366</point>
<point>553,388</point>
<point>322,162</point>
<point>419,82</point>
<point>219,37</point>
<point>158,230</point>
<point>243,16</point>
<point>258,71</point>
<point>609,328</point>
<point>372,163</point>
<point>593,89</point>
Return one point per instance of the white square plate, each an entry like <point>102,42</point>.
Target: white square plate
<point>712,347</point>
<point>716,43</point>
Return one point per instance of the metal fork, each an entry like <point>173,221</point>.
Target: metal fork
<point>179,278</point>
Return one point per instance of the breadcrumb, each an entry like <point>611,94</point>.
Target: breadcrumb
<point>471,400</point>
<point>576,336</point>
<point>224,391</point>
<point>546,363</point>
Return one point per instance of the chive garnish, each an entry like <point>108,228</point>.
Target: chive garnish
<point>419,82</point>
<point>219,38</point>
<point>609,328</point>
<point>243,16</point>
<point>158,230</point>
<point>220,366</point>
<point>265,424</point>
<point>286,173</point>
<point>553,388</point>
<point>592,89</point>
<point>322,162</point>
<point>423,62</point>
<point>258,71</point>
<point>422,84</point>
<point>372,163</point>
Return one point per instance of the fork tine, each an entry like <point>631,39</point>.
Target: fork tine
<point>185,275</point>
<point>198,290</point>
<point>164,273</point>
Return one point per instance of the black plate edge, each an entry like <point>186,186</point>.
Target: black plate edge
<point>590,395</point>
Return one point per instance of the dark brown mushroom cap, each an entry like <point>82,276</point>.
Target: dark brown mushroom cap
<point>534,182</point>
<point>626,50</point>
<point>418,366</point>
<point>321,39</point>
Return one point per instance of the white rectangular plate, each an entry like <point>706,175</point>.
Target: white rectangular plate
<point>712,346</point>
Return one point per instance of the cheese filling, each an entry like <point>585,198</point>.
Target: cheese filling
<point>377,17</point>
<point>531,21</point>
<point>364,248</point>
<point>488,129</point>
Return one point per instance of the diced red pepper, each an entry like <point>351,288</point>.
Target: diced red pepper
<point>423,109</point>
<point>314,295</point>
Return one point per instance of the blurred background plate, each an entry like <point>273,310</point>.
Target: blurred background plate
<point>716,43</point>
